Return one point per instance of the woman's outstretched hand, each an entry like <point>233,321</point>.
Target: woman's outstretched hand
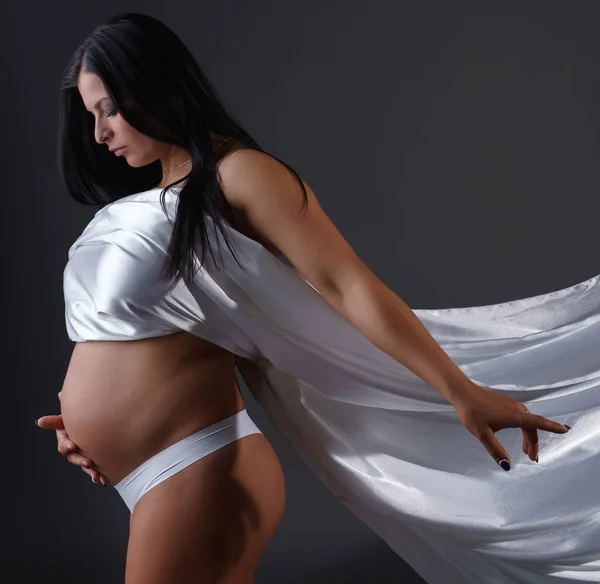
<point>68,448</point>
<point>483,412</point>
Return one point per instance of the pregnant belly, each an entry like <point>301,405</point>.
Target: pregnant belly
<point>122,402</point>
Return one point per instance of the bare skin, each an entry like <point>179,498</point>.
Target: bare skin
<point>215,517</point>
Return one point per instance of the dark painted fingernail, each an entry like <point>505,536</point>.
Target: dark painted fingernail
<point>36,422</point>
<point>70,449</point>
<point>86,466</point>
<point>504,464</point>
<point>567,427</point>
<point>537,458</point>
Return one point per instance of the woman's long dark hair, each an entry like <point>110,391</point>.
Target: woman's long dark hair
<point>159,89</point>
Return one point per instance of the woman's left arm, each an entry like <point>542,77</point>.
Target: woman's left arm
<point>271,198</point>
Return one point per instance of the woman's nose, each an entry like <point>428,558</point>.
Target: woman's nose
<point>100,134</point>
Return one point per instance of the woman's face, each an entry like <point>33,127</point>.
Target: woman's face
<point>111,129</point>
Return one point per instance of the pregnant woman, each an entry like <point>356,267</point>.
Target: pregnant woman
<point>150,402</point>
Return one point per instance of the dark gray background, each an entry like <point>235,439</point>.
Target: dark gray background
<point>454,144</point>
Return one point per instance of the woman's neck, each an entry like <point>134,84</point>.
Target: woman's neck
<point>178,173</point>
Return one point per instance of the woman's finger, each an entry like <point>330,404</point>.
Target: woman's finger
<point>95,475</point>
<point>52,422</point>
<point>80,460</point>
<point>525,445</point>
<point>89,470</point>
<point>65,445</point>
<point>532,421</point>
<point>87,466</point>
<point>495,449</point>
<point>530,437</point>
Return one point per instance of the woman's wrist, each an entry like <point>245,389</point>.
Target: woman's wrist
<point>458,391</point>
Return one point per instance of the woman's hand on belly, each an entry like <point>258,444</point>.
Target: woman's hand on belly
<point>68,448</point>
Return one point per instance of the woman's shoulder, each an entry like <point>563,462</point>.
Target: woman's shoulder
<point>227,149</point>
<point>242,222</point>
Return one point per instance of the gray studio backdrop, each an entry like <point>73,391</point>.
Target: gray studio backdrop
<point>454,144</point>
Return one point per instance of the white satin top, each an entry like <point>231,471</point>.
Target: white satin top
<point>113,289</point>
<point>388,445</point>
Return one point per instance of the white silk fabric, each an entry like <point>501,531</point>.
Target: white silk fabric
<point>389,446</point>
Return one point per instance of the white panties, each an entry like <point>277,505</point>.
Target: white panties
<point>180,455</point>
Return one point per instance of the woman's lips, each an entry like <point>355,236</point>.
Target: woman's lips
<point>119,151</point>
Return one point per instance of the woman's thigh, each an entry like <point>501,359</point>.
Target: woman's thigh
<point>209,523</point>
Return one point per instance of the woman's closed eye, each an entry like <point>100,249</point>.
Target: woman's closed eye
<point>108,114</point>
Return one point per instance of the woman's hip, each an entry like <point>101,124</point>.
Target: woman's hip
<point>182,454</point>
<point>206,506</point>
